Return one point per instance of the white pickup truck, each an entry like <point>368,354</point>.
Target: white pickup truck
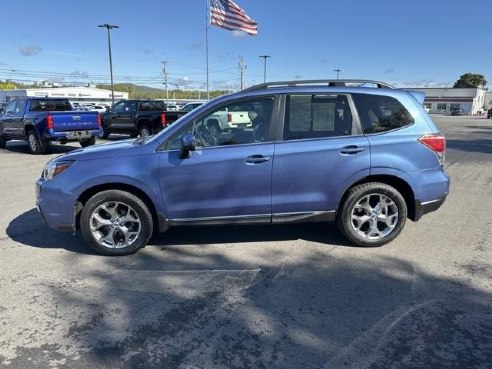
<point>222,120</point>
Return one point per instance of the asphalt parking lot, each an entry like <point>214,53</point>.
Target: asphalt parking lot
<point>294,296</point>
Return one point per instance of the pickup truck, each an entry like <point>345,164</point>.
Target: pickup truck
<point>222,120</point>
<point>138,117</point>
<point>41,120</point>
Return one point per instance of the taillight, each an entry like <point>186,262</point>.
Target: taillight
<point>163,119</point>
<point>99,121</point>
<point>229,117</point>
<point>49,122</point>
<point>436,143</point>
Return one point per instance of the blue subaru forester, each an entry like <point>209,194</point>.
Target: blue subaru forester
<point>360,153</point>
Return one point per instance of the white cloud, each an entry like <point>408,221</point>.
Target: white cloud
<point>30,50</point>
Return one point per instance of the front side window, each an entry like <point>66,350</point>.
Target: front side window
<point>119,107</point>
<point>316,116</point>
<point>238,123</point>
<point>130,106</point>
<point>379,113</point>
<point>11,107</point>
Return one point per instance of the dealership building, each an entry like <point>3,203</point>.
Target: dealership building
<point>79,95</point>
<point>438,100</point>
<point>443,100</point>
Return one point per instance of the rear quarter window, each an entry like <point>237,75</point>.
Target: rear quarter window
<point>379,113</point>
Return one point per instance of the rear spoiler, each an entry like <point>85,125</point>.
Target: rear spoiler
<point>419,95</point>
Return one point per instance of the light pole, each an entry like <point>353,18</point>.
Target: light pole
<point>265,57</point>
<point>338,71</point>
<point>164,63</point>
<point>110,27</point>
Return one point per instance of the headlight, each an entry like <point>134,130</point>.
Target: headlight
<point>53,169</point>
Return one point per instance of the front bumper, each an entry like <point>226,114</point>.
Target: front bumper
<point>56,206</point>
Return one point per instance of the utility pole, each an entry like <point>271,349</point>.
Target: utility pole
<point>265,57</point>
<point>338,71</point>
<point>242,67</point>
<point>164,63</point>
<point>109,27</point>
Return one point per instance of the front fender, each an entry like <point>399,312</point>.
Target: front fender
<point>138,171</point>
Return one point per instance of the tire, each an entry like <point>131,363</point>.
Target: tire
<point>144,131</point>
<point>104,134</point>
<point>89,142</point>
<point>372,215</point>
<point>3,142</point>
<point>36,146</point>
<point>103,227</point>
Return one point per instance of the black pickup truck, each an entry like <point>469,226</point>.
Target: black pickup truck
<point>138,117</point>
<point>42,120</point>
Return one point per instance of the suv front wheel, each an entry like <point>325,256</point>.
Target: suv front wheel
<point>116,223</point>
<point>373,214</point>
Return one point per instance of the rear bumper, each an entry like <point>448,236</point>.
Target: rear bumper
<point>422,208</point>
<point>72,135</point>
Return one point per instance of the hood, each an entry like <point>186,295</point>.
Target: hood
<point>100,151</point>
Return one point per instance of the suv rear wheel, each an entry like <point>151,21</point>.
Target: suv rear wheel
<point>3,142</point>
<point>373,214</point>
<point>116,223</point>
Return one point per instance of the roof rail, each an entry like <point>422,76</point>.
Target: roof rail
<point>329,82</point>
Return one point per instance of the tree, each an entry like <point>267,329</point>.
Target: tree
<point>7,85</point>
<point>471,80</point>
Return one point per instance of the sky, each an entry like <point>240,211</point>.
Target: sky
<point>419,43</point>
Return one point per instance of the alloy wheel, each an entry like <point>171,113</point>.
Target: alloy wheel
<point>115,225</point>
<point>374,216</point>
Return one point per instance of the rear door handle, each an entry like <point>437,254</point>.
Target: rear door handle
<point>257,159</point>
<point>350,150</point>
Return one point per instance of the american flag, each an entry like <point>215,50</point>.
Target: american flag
<point>227,14</point>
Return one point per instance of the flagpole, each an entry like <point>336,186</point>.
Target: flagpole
<point>206,42</point>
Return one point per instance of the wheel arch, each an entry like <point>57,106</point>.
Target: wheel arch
<point>144,122</point>
<point>88,193</point>
<point>29,127</point>
<point>398,183</point>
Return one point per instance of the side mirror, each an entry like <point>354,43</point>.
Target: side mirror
<point>188,143</point>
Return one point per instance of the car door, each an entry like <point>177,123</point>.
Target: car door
<point>321,152</point>
<point>122,115</point>
<point>13,119</point>
<point>228,176</point>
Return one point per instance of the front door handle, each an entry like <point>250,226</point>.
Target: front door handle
<point>257,159</point>
<point>350,150</point>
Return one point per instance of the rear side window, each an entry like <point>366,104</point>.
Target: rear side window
<point>316,116</point>
<point>381,113</point>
